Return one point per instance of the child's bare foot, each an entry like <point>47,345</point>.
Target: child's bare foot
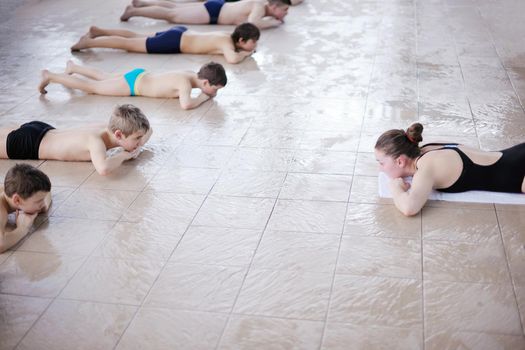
<point>45,81</point>
<point>95,32</point>
<point>70,65</point>
<point>82,43</point>
<point>126,15</point>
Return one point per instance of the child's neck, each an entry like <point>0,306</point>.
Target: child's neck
<point>196,82</point>
<point>109,139</point>
<point>8,203</point>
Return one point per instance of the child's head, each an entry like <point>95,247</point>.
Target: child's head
<point>245,36</point>
<point>213,76</point>
<point>394,147</point>
<point>27,187</point>
<point>278,8</point>
<point>129,125</point>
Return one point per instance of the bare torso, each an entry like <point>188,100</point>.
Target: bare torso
<point>238,12</point>
<point>206,43</point>
<point>164,85</point>
<point>73,144</point>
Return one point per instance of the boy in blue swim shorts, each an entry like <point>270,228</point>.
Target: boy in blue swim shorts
<point>235,46</point>
<point>137,82</point>
<point>262,13</point>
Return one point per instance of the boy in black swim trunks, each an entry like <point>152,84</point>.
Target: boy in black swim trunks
<point>262,13</point>
<point>235,46</point>
<point>27,191</point>
<point>128,128</point>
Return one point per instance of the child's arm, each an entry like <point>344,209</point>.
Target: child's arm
<point>258,19</point>
<point>24,222</point>
<point>234,57</point>
<point>103,164</point>
<point>410,203</point>
<point>187,102</point>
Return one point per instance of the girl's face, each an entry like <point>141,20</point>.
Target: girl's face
<point>394,168</point>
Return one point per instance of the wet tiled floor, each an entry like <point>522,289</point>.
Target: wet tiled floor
<point>253,221</point>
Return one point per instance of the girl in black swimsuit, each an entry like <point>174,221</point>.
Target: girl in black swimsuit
<point>444,167</point>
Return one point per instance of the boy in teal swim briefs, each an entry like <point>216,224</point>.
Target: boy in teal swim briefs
<point>137,82</point>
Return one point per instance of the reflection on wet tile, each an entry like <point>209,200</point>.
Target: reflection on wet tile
<point>297,251</point>
<point>323,162</point>
<point>473,340</point>
<point>183,180</point>
<point>176,209</point>
<point>471,306</point>
<point>465,262</point>
<point>67,236</point>
<point>376,301</point>
<point>377,256</point>
<point>142,240</point>
<point>113,281</point>
<point>339,336</point>
<point>308,216</point>
<point>249,183</point>
<point>364,190</point>
<point>512,226</point>
<point>250,333</point>
<point>381,220</point>
<point>240,212</point>
<point>316,187</point>
<point>290,294</point>
<point>18,314</point>
<point>460,225</point>
<point>196,287</point>
<point>173,329</point>
<point>217,246</point>
<point>69,324</point>
<point>37,274</point>
<point>96,204</point>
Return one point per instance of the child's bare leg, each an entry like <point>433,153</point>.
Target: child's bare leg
<point>95,32</point>
<point>137,44</point>
<point>89,72</point>
<point>109,87</point>
<point>156,12</point>
<point>162,3</point>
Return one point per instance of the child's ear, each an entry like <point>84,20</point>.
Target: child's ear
<point>206,82</point>
<point>17,199</point>
<point>118,134</point>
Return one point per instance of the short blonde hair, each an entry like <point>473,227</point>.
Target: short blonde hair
<point>128,119</point>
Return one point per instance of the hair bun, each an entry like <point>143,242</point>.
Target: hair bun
<point>414,133</point>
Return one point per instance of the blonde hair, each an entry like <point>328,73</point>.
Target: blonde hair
<point>128,119</point>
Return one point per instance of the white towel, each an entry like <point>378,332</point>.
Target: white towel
<point>469,196</point>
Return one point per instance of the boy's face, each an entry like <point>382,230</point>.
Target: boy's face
<point>131,142</point>
<point>33,204</point>
<point>210,90</point>
<point>248,45</point>
<point>279,11</point>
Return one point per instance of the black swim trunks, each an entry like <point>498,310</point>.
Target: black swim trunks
<point>24,142</point>
<point>214,9</point>
<point>167,41</point>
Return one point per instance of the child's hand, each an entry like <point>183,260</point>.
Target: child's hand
<point>399,183</point>
<point>25,220</point>
<point>135,153</point>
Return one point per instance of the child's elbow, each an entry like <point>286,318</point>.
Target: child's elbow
<point>409,212</point>
<point>186,106</point>
<point>103,171</point>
